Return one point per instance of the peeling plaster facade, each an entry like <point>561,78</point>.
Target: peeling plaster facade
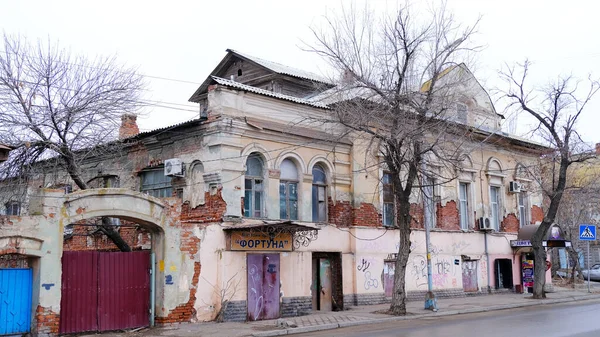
<point>195,253</point>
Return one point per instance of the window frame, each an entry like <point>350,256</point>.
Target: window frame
<point>388,185</point>
<point>156,189</point>
<point>524,217</point>
<point>287,183</point>
<point>495,221</point>
<point>250,189</point>
<point>316,186</point>
<point>464,205</point>
<point>10,206</point>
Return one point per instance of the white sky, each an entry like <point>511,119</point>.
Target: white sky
<point>185,40</point>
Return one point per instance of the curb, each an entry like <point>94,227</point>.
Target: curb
<point>330,326</point>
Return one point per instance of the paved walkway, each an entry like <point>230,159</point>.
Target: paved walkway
<point>361,315</point>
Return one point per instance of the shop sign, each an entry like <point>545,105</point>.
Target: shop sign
<point>520,243</point>
<point>527,268</point>
<point>260,241</point>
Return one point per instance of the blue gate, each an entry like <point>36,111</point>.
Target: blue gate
<point>15,301</point>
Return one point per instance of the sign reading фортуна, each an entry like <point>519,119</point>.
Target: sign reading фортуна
<point>259,241</point>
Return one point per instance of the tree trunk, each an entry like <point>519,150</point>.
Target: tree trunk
<point>398,305</point>
<point>539,261</point>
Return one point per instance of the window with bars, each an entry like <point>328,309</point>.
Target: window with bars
<point>253,187</point>
<point>155,183</point>
<point>319,194</point>
<point>388,200</point>
<point>288,190</point>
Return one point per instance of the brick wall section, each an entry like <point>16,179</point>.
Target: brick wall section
<point>510,224</point>
<point>184,312</point>
<point>341,213</point>
<point>83,239</point>
<point>416,212</point>
<point>212,211</point>
<point>447,216</point>
<point>537,214</point>
<point>47,321</point>
<point>366,215</point>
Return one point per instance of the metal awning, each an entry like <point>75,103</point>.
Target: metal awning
<point>303,234</point>
<point>554,238</point>
<point>526,232</point>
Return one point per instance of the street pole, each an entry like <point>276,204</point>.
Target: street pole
<point>588,264</point>
<point>430,300</point>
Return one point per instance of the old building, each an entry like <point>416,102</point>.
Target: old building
<point>253,213</point>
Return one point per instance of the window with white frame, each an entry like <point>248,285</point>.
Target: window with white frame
<point>495,206</point>
<point>253,187</point>
<point>463,207</point>
<point>388,199</point>
<point>155,183</point>
<point>319,194</point>
<point>13,208</point>
<point>429,202</point>
<point>288,190</point>
<point>523,208</point>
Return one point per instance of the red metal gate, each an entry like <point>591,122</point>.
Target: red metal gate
<point>104,291</point>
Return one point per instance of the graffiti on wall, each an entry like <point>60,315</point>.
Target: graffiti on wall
<point>370,281</point>
<point>363,265</point>
<point>443,271</point>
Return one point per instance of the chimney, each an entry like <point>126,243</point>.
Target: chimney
<point>597,148</point>
<point>128,127</point>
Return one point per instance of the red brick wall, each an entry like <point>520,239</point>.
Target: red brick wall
<point>47,321</point>
<point>83,239</point>
<point>447,216</point>
<point>416,212</point>
<point>366,215</point>
<point>212,211</point>
<point>537,214</point>
<point>510,223</point>
<point>341,213</point>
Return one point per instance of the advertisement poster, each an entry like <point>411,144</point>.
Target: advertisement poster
<point>527,268</point>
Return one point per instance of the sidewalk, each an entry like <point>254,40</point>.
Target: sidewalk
<point>360,315</point>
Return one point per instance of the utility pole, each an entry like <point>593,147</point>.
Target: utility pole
<point>428,200</point>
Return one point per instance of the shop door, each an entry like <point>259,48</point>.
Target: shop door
<point>469,276</point>
<point>325,285</point>
<point>388,277</point>
<point>15,301</point>
<point>103,291</point>
<point>263,286</point>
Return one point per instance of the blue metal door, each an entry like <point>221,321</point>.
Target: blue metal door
<point>15,301</point>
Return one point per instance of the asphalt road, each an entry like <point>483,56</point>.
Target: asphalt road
<point>581,319</point>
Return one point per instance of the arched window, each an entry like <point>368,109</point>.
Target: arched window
<point>253,196</point>
<point>288,190</point>
<point>13,208</point>
<point>319,194</point>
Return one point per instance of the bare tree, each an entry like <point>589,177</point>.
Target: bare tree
<point>556,114</point>
<point>401,80</point>
<point>59,108</point>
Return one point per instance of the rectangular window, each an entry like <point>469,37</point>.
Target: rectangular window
<point>388,200</point>
<point>156,184</point>
<point>288,200</point>
<point>253,203</point>
<point>495,206</point>
<point>461,113</point>
<point>463,206</point>
<point>319,203</point>
<point>429,202</point>
<point>13,208</point>
<point>523,208</point>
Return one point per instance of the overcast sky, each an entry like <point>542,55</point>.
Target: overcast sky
<point>185,40</point>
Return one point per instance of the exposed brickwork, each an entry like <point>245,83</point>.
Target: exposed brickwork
<point>184,312</point>
<point>47,321</point>
<point>447,217</point>
<point>14,261</point>
<point>212,211</point>
<point>88,238</point>
<point>366,215</point>
<point>537,214</point>
<point>129,127</point>
<point>417,215</point>
<point>510,224</point>
<point>341,213</point>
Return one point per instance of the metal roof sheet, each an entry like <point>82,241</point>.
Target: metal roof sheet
<point>283,69</point>
<point>237,85</point>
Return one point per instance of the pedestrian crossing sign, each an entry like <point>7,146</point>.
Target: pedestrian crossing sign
<point>587,232</point>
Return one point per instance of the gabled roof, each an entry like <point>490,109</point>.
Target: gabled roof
<point>255,90</point>
<point>268,65</point>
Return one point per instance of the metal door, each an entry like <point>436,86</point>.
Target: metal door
<point>325,303</point>
<point>15,301</point>
<point>469,276</point>
<point>388,277</point>
<point>263,286</point>
<point>104,291</point>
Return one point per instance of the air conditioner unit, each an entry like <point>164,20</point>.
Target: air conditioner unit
<point>174,167</point>
<point>514,187</point>
<point>485,223</point>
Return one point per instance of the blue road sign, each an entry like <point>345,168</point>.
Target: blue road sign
<point>587,232</point>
